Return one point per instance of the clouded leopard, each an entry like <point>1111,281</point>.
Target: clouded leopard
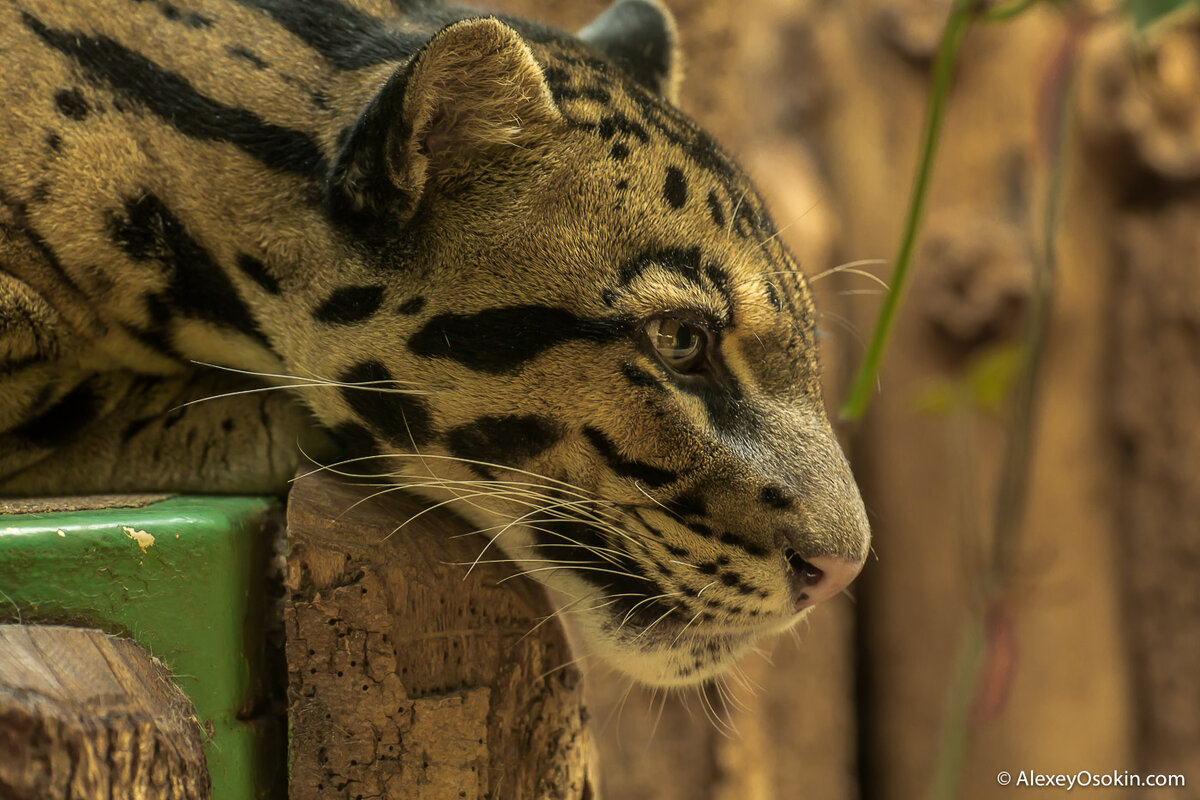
<point>484,256</point>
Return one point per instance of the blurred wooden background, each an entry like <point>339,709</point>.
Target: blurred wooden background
<point>1096,666</point>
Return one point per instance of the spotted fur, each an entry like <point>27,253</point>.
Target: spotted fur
<point>444,234</point>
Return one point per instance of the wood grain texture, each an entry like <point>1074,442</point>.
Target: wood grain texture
<point>1138,109</point>
<point>87,716</point>
<point>409,678</point>
<point>1155,393</point>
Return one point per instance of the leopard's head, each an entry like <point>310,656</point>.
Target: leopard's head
<point>610,350</point>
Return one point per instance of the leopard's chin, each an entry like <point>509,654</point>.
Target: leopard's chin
<point>684,664</point>
<point>672,659</point>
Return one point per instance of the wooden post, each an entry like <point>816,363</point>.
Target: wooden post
<point>409,678</point>
<point>87,716</point>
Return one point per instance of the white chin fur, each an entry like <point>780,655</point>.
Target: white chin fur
<point>659,662</point>
<point>672,667</point>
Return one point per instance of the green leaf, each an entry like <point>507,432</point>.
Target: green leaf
<point>940,397</point>
<point>984,384</point>
<point>1147,12</point>
<point>992,375</point>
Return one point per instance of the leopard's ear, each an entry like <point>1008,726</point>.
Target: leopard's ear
<point>473,89</point>
<point>640,37</point>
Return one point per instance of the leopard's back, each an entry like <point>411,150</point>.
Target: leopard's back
<point>158,157</point>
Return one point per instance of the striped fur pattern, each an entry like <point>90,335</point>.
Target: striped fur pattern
<point>422,247</point>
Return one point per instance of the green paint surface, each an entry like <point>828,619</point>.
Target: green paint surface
<point>193,597</point>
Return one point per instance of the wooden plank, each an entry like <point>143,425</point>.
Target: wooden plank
<point>1137,106</point>
<point>409,678</point>
<point>87,716</point>
<point>1154,391</point>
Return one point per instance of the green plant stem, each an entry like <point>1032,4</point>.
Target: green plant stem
<point>954,738</point>
<point>864,382</point>
<point>1007,12</point>
<point>1014,477</point>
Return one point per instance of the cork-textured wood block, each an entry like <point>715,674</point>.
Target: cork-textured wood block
<point>409,678</point>
<point>88,716</point>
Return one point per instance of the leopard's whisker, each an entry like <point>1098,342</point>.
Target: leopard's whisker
<point>711,712</point>
<point>650,627</point>
<point>650,599</point>
<point>602,524</point>
<point>728,704</point>
<point>609,599</point>
<point>658,717</point>
<point>437,457</point>
<point>846,324</point>
<point>285,376</point>
<point>779,232</point>
<point>557,612</point>
<point>260,389</point>
<point>497,491</point>
<point>654,500</point>
<point>736,208</point>
<point>577,660</point>
<point>514,522</point>
<point>851,267</point>
<point>739,672</point>
<point>685,627</point>
<point>517,561</point>
<point>583,568</point>
<point>854,268</point>
<point>427,509</point>
<point>513,492</point>
<point>524,489</point>
<point>600,551</point>
<point>731,695</point>
<point>615,710</point>
<point>764,654</point>
<point>508,527</point>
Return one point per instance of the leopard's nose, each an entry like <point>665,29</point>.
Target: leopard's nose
<point>817,579</point>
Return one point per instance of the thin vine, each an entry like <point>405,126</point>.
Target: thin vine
<point>864,382</point>
<point>1010,501</point>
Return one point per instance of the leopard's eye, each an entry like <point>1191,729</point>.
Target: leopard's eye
<point>680,344</point>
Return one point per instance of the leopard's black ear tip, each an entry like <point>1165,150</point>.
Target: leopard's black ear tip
<point>641,38</point>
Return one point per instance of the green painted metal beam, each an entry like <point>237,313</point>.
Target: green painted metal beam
<point>186,578</point>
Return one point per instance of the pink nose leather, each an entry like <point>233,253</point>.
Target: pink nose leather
<point>816,579</point>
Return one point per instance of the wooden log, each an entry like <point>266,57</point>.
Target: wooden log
<point>409,678</point>
<point>192,579</point>
<point>1139,112</point>
<point>88,716</point>
<point>1154,388</point>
